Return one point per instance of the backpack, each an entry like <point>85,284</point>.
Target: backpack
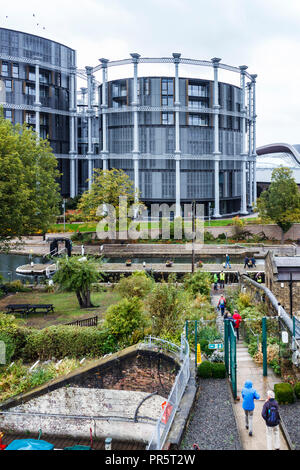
<point>272,415</point>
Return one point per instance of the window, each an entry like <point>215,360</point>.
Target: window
<point>167,100</point>
<point>198,120</point>
<point>147,86</point>
<point>167,118</point>
<point>8,114</point>
<point>8,85</point>
<point>167,86</point>
<point>31,74</point>
<point>196,104</point>
<point>30,89</point>
<point>198,90</point>
<point>30,118</point>
<point>5,69</point>
<point>15,70</point>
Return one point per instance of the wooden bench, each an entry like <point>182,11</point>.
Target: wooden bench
<point>22,309</point>
<point>41,308</point>
<point>25,309</point>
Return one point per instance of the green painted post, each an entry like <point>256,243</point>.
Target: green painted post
<point>264,346</point>
<point>196,341</point>
<point>294,326</point>
<point>226,349</point>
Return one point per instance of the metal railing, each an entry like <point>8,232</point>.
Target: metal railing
<point>91,321</point>
<point>165,420</point>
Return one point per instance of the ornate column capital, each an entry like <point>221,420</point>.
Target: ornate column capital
<point>253,78</point>
<point>135,57</point>
<point>215,61</point>
<point>176,56</point>
<point>89,70</point>
<point>104,62</point>
<point>243,69</point>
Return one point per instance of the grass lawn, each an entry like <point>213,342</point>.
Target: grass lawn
<point>66,306</point>
<point>91,227</point>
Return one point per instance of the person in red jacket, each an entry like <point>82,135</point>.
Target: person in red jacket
<point>237,320</point>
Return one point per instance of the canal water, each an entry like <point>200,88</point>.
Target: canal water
<point>9,263</point>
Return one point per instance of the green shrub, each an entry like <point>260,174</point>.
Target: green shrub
<point>208,237</point>
<point>297,389</point>
<point>16,286</point>
<point>222,236</point>
<point>204,347</point>
<point>136,285</point>
<point>125,317</point>
<point>208,369</point>
<point>198,283</point>
<point>205,370</point>
<point>218,370</point>
<point>284,393</point>
<point>275,365</point>
<point>210,333</point>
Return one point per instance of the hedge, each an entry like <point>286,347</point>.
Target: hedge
<point>215,370</point>
<point>57,341</point>
<point>297,389</point>
<point>284,393</point>
<point>72,341</point>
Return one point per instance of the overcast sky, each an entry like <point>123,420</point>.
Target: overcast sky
<point>263,34</point>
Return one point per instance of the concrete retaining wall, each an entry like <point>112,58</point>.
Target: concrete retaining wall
<point>87,403</point>
<point>272,231</point>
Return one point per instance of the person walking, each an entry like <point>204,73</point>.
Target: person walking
<point>246,262</point>
<point>259,278</point>
<point>222,279</point>
<point>216,279</point>
<point>270,414</point>
<point>237,320</point>
<point>222,304</point>
<point>249,394</point>
<point>227,261</point>
<point>253,262</point>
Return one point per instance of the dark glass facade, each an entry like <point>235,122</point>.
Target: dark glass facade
<point>157,139</point>
<point>18,54</point>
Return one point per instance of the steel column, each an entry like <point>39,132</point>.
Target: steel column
<point>216,107</point>
<point>135,103</point>
<point>176,57</point>
<point>244,211</point>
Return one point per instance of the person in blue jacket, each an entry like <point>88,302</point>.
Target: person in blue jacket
<point>249,394</point>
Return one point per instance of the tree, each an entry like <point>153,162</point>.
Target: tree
<point>280,203</point>
<point>29,192</point>
<point>76,275</point>
<point>107,187</point>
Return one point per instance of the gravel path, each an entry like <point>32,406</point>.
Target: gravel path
<point>290,415</point>
<point>212,426</point>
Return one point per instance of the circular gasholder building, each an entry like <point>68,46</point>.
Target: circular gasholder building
<point>180,139</point>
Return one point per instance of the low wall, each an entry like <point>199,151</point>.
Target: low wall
<point>79,409</point>
<point>103,396</point>
<point>270,230</point>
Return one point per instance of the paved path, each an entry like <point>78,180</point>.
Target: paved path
<point>247,369</point>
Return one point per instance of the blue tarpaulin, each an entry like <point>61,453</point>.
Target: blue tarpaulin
<point>29,444</point>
